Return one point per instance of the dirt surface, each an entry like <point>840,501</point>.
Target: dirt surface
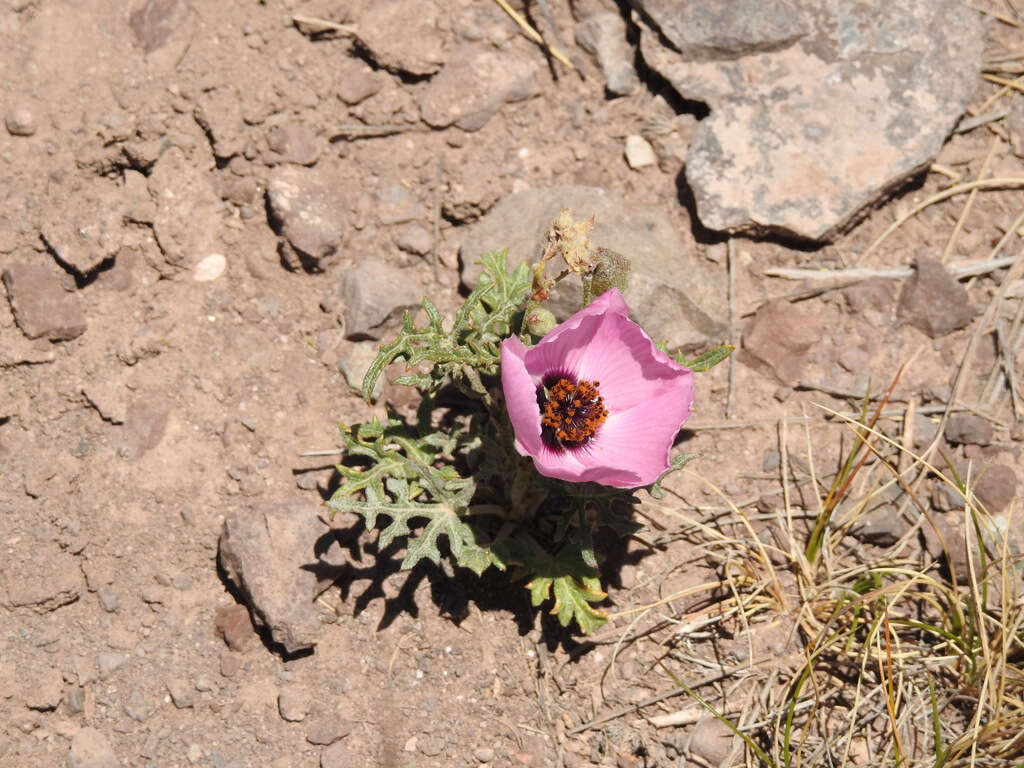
<point>138,152</point>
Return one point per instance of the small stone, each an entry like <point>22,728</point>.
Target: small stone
<point>230,664</point>
<point>327,730</point>
<point>109,599</point>
<point>42,309</point>
<point>135,707</point>
<point>292,704</point>
<point>403,35</point>
<point>307,208</point>
<point>882,525</point>
<point>181,692</point>
<point>603,35</point>
<point>374,291</point>
<point>354,359</point>
<point>91,749</point>
<point>639,152</point>
<point>968,429</point>
<point>357,82</point>
<point>996,487</point>
<point>210,268</point>
<point>293,142</point>
<point>45,689</point>
<point>711,739</point>
<point>219,114</point>
<point>431,744</point>
<point>335,756</point>
<point>20,122</point>
<point>108,398</point>
<point>414,239</point>
<point>475,83</point>
<point>45,581</point>
<point>195,753</point>
<point>396,205</point>
<point>778,339</point>
<point>145,422</point>
<point>155,21</point>
<point>933,301</point>
<point>234,625</point>
<point>76,700</point>
<point>483,754</point>
<point>109,662</point>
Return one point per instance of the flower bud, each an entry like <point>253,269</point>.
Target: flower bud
<point>612,271</point>
<point>539,321</point>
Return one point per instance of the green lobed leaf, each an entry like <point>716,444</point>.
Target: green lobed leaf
<point>474,339</point>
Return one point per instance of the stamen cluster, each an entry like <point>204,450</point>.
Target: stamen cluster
<point>572,412</point>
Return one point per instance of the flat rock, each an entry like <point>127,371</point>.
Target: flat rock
<point>219,114</point>
<point>42,580</point>
<point>603,35</point>
<point>268,553</point>
<point>402,35</point>
<point>374,291</point>
<point>187,218</point>
<point>473,86</point>
<point>145,423</point>
<point>968,429</point>
<point>41,307</point>
<point>308,210</point>
<point>233,623</point>
<point>155,21</point>
<point>933,301</point>
<point>91,749</point>
<point>817,110</point>
<point>778,339</point>
<point>996,487</point>
<point>671,292</point>
<point>84,238</point>
<point>292,141</point>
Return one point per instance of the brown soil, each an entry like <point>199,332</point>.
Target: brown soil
<point>123,449</point>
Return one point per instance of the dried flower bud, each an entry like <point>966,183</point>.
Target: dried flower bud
<point>611,271</point>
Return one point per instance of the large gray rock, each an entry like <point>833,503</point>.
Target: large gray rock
<point>817,108</point>
<point>268,553</point>
<point>672,293</point>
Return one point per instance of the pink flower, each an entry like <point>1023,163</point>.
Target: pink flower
<point>595,400</point>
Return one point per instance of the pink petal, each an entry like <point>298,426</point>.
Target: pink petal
<point>520,397</point>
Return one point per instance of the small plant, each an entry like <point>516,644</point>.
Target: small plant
<point>552,431</point>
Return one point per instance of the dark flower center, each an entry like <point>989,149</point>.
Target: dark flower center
<point>571,412</point>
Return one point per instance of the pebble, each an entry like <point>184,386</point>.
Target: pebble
<point>45,690</point>
<point>76,700</point>
<point>20,122</point>
<point>372,292</point>
<point>996,487</point>
<point>414,239</point>
<point>639,152</point>
<point>41,307</point>
<point>181,692</point>
<point>604,36</point>
<point>230,664</point>
<point>109,662</point>
<point>327,730</point>
<point>292,704</point>
<point>483,754</point>
<point>91,749</point>
<point>109,599</point>
<point>933,301</point>
<point>778,339</point>
<point>136,708</point>
<point>968,428</point>
<point>232,622</point>
<point>210,268</point>
<point>335,756</point>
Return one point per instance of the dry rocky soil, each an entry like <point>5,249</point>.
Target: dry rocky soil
<point>211,213</point>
